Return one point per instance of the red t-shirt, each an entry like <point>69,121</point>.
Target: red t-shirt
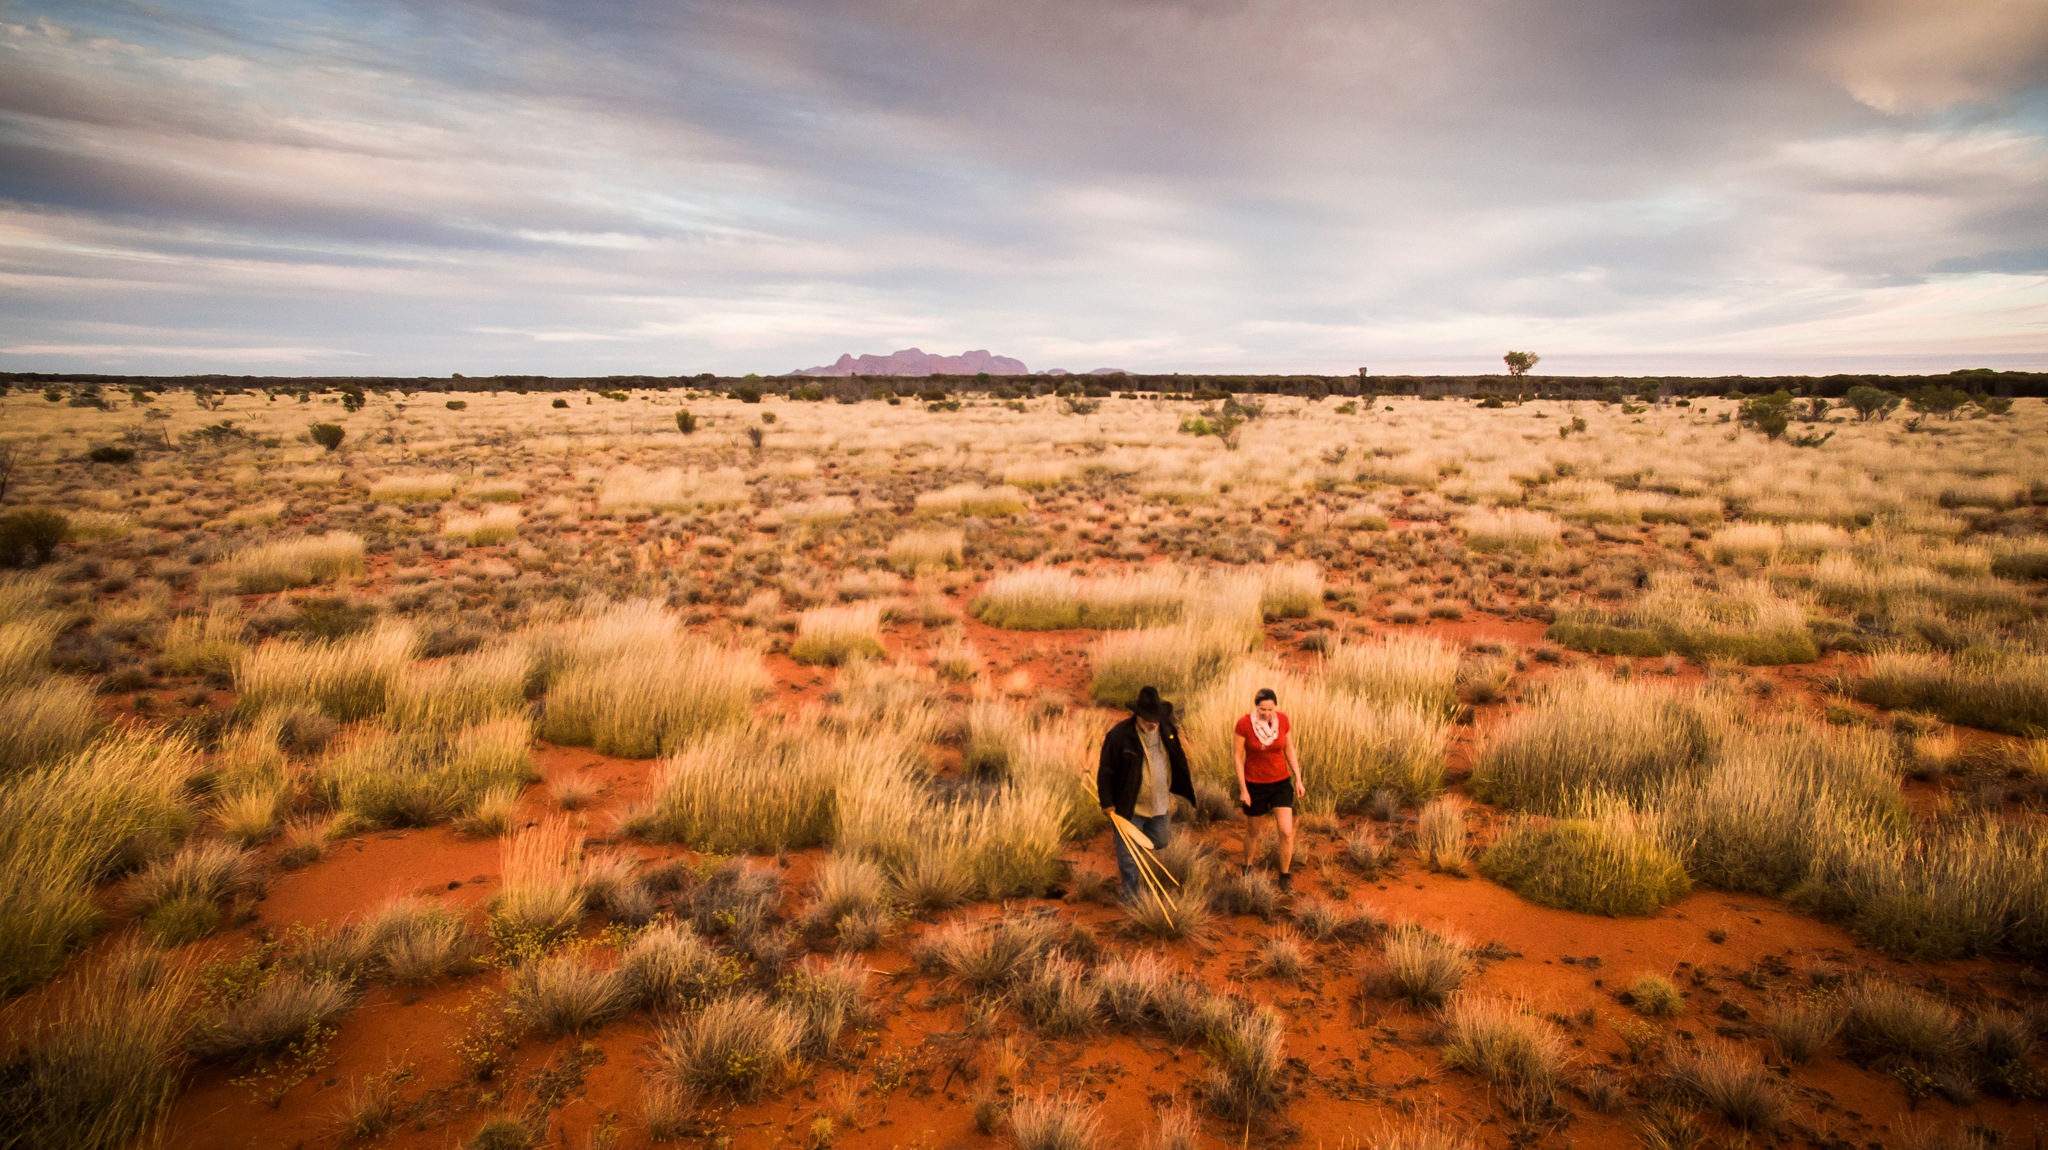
<point>1264,762</point>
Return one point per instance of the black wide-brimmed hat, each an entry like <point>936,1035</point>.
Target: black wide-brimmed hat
<point>1150,707</point>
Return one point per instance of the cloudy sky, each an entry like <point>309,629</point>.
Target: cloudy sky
<point>588,186</point>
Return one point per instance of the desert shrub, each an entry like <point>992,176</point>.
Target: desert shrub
<point>44,721</point>
<point>740,1044</point>
<point>348,679</point>
<point>328,435</point>
<point>1358,746</point>
<point>411,941</point>
<point>2008,694</point>
<point>631,682</point>
<point>1248,1045</point>
<point>1731,1081</point>
<point>280,1010</point>
<point>1609,864</point>
<point>65,826</point>
<point>850,907</point>
<point>97,1069</point>
<point>1516,1052</point>
<point>297,562</point>
<point>927,547</point>
<point>562,994</point>
<point>1054,1122</point>
<point>1403,669</point>
<point>832,635</point>
<point>1423,967</point>
<point>1508,529</point>
<point>1595,734</point>
<point>1653,994</point>
<point>1750,623</point>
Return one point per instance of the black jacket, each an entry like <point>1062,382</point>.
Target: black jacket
<point>1122,770</point>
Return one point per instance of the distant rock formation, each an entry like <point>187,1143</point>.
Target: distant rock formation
<point>1109,371</point>
<point>911,361</point>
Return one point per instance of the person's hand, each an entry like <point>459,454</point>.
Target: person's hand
<point>1244,795</point>
<point>1106,811</point>
<point>1299,790</point>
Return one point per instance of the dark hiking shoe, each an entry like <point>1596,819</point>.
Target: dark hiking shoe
<point>1286,883</point>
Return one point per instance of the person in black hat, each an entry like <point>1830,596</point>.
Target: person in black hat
<point>1143,766</point>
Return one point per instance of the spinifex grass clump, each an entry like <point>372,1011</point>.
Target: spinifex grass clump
<point>1037,599</point>
<point>180,897</point>
<point>44,721</point>
<point>1749,623</point>
<point>98,1069</point>
<point>1596,734</point>
<point>1611,863</point>
<point>413,488</point>
<point>2006,693</point>
<point>970,499</point>
<point>1516,1052</point>
<point>926,548</point>
<point>1291,591</point>
<point>349,678</point>
<point>832,635</point>
<point>496,525</point>
<point>1402,669</point>
<point>208,644</point>
<point>297,562</point>
<point>461,691</point>
<point>543,895</point>
<point>69,825</point>
<point>424,777</point>
<point>1358,746</point>
<point>743,1045</point>
<point>631,682</point>
<point>759,787</point>
<point>1508,529</point>
<point>1181,658</point>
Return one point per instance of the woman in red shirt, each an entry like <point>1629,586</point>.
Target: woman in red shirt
<point>1268,777</point>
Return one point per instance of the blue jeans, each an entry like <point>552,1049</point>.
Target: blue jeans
<point>1156,828</point>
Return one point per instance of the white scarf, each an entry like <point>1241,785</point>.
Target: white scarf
<point>1267,731</point>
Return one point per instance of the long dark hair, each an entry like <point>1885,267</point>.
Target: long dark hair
<point>1264,694</point>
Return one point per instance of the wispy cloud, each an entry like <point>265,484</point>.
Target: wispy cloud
<point>625,185</point>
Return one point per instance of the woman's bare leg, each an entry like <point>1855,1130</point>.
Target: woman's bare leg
<point>1285,817</point>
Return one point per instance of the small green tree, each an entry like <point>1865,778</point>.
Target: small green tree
<point>686,421</point>
<point>352,399</point>
<point>1942,401</point>
<point>1993,404</point>
<point>1519,363</point>
<point>1871,402</point>
<point>1770,414</point>
<point>328,435</point>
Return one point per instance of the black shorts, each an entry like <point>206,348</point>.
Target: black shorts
<point>1266,797</point>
